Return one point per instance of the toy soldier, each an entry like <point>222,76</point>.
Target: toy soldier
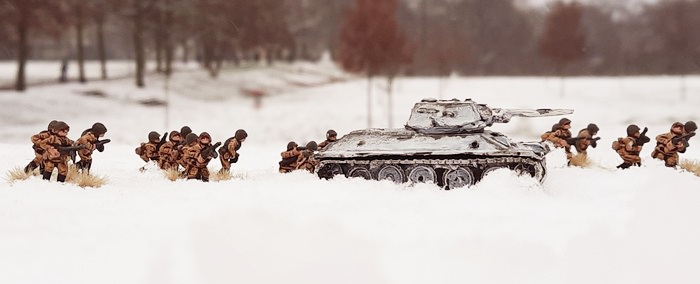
<point>90,141</point>
<point>560,135</point>
<point>228,154</point>
<point>306,161</point>
<point>668,145</point>
<point>585,139</point>
<point>331,136</point>
<point>38,152</point>
<point>289,158</point>
<point>629,147</point>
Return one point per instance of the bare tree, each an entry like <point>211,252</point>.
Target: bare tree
<point>40,16</point>
<point>372,43</point>
<point>563,40</point>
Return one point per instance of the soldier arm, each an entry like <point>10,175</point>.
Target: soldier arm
<point>629,145</point>
<point>232,147</point>
<point>151,151</point>
<point>290,153</point>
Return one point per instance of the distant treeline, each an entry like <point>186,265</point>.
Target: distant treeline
<point>471,37</point>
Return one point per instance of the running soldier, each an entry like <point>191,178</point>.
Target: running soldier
<point>331,136</point>
<point>199,153</point>
<point>629,147</point>
<point>560,135</point>
<point>168,153</point>
<point>90,141</point>
<point>289,158</point>
<point>228,154</point>
<point>585,139</point>
<point>38,152</point>
<point>668,145</point>
<point>57,150</point>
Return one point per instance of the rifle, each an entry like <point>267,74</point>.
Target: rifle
<point>643,139</point>
<point>162,140</point>
<point>100,144</point>
<point>573,140</point>
<point>683,138</point>
<point>210,152</point>
<point>288,161</point>
<point>69,150</point>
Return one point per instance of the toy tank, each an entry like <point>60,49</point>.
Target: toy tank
<point>444,142</point>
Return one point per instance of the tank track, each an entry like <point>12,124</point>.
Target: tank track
<point>478,167</point>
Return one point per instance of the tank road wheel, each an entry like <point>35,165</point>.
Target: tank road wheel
<point>540,171</point>
<point>490,170</point>
<point>422,174</point>
<point>457,178</point>
<point>328,171</point>
<point>359,172</point>
<point>523,169</point>
<point>392,173</point>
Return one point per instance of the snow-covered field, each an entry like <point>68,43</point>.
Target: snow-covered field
<point>583,225</point>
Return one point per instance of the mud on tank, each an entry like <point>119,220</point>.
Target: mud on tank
<point>444,142</point>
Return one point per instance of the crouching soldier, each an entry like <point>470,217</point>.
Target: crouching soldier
<point>305,160</point>
<point>629,147</point>
<point>38,152</point>
<point>331,136</point>
<point>560,136</point>
<point>228,154</point>
<point>585,139</point>
<point>90,141</point>
<point>668,145</point>
<point>199,153</point>
<point>545,136</point>
<point>289,158</point>
<point>57,149</point>
<point>149,151</point>
<point>168,153</point>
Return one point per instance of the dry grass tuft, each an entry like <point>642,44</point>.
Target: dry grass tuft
<point>221,175</point>
<point>172,174</point>
<point>16,174</point>
<point>692,166</point>
<point>72,173</point>
<point>87,180</point>
<point>579,160</point>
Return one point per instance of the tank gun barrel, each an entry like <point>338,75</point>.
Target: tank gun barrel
<point>504,115</point>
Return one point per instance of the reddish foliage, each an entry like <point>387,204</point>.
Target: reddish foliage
<point>371,40</point>
<point>563,39</point>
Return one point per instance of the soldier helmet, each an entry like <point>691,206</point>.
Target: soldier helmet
<point>555,127</point>
<point>52,125</point>
<point>312,146</point>
<point>204,135</point>
<point>185,130</point>
<point>153,136</point>
<point>690,126</point>
<point>190,138</point>
<point>564,121</point>
<point>632,129</point>
<point>241,134</point>
<point>677,125</point>
<point>291,145</point>
<point>331,133</point>
<point>592,128</point>
<point>60,125</point>
<point>98,129</point>
<point>173,134</point>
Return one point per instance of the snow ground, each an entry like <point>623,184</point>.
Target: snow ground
<point>593,225</point>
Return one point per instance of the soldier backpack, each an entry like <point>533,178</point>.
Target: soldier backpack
<point>617,144</point>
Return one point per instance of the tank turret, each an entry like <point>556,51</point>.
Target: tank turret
<point>444,142</point>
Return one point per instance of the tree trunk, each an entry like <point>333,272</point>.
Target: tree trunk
<point>22,49</point>
<point>159,52</point>
<point>79,35</point>
<point>139,51</point>
<point>167,43</point>
<point>390,90</point>
<point>369,101</point>
<point>102,53</point>
<point>185,52</point>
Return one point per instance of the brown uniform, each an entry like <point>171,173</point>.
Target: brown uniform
<point>196,164</point>
<point>628,151</point>
<point>229,152</point>
<point>38,152</point>
<point>88,142</point>
<point>287,155</point>
<point>665,150</point>
<point>148,151</point>
<point>306,161</point>
<point>583,142</point>
<point>59,160</point>
<point>324,144</point>
<point>168,156</point>
<point>559,136</point>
